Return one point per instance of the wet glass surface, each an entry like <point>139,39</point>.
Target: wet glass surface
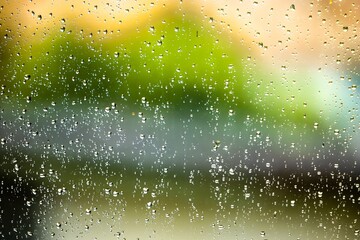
<point>173,120</point>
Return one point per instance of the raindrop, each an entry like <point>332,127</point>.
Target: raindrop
<point>27,77</point>
<point>216,145</point>
<point>58,225</point>
<point>88,211</point>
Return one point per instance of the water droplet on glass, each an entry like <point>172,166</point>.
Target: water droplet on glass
<point>88,211</point>
<point>27,77</point>
<point>216,145</point>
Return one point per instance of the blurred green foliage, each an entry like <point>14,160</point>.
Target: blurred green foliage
<point>181,63</point>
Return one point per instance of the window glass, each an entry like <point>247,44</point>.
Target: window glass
<point>179,119</point>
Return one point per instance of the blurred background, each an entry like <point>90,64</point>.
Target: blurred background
<point>179,119</point>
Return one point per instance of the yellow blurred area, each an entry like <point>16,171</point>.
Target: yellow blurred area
<point>30,18</point>
<point>288,33</point>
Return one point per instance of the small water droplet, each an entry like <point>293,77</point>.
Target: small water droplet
<point>58,225</point>
<point>27,77</point>
<point>216,145</point>
<point>353,87</point>
<point>88,211</point>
